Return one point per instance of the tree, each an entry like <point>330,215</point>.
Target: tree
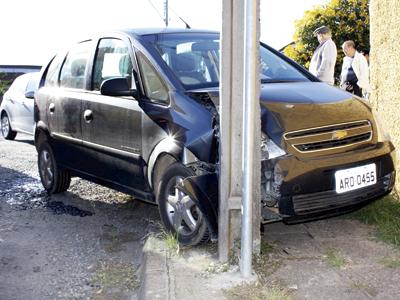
<point>348,20</point>
<point>4,85</point>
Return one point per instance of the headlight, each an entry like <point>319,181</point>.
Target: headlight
<point>269,149</point>
<point>383,135</point>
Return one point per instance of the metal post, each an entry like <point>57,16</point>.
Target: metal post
<point>231,129</point>
<point>250,102</point>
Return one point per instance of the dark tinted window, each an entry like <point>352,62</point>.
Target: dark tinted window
<point>153,85</point>
<point>74,68</point>
<point>112,60</point>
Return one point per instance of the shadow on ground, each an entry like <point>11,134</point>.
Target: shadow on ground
<point>71,245</point>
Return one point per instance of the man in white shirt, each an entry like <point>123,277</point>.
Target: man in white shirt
<point>323,61</point>
<point>355,73</point>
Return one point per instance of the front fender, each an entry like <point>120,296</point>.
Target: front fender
<point>203,190</point>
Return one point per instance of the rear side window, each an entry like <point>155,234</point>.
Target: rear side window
<point>74,68</point>
<point>112,60</point>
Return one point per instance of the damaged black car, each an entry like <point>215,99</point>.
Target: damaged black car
<point>138,111</point>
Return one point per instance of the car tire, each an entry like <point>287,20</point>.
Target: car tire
<point>54,179</point>
<point>179,213</point>
<point>6,129</point>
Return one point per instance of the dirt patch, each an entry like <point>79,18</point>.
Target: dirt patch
<point>113,280</point>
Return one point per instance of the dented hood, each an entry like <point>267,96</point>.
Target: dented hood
<point>301,105</point>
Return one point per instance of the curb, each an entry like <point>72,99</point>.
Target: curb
<point>185,276</point>
<point>154,271</point>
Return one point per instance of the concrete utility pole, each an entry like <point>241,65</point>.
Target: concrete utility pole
<point>233,74</point>
<point>166,13</point>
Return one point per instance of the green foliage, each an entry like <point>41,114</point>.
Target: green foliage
<point>334,258</point>
<point>390,262</point>
<point>4,84</point>
<point>347,19</point>
<point>385,215</point>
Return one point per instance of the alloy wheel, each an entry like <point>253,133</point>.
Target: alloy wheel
<point>183,213</point>
<point>5,126</point>
<point>46,168</point>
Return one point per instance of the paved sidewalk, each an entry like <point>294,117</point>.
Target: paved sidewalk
<point>329,259</point>
<point>191,274</point>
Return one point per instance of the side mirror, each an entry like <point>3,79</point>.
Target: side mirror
<point>30,94</point>
<point>117,86</point>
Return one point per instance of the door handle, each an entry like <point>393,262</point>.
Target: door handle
<point>52,107</point>
<point>88,116</point>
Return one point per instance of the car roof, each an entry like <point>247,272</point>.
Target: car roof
<point>148,31</point>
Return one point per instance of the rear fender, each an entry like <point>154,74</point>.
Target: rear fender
<point>203,189</point>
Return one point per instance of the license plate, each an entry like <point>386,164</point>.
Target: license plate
<point>355,178</point>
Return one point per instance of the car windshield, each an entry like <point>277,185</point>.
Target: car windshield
<point>194,59</point>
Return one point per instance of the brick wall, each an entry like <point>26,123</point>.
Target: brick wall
<point>385,68</point>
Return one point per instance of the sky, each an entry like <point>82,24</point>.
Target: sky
<point>31,31</point>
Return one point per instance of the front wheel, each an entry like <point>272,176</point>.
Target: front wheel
<point>54,179</point>
<point>6,129</point>
<point>179,213</point>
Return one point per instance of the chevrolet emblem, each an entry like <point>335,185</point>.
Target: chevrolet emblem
<point>339,135</point>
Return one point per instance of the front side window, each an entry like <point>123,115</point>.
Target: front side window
<point>112,60</point>
<point>74,68</point>
<point>33,83</point>
<point>19,84</point>
<point>53,71</point>
<point>153,85</point>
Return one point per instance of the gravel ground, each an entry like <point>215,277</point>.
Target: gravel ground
<point>82,244</point>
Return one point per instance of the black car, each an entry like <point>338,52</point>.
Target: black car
<point>138,111</point>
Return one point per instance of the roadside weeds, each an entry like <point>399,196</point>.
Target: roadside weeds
<point>113,278</point>
<point>334,258</point>
<point>384,215</point>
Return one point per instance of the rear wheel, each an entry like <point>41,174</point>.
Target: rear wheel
<point>179,213</point>
<point>6,129</point>
<point>54,179</point>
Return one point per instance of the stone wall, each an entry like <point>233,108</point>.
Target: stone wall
<point>385,68</point>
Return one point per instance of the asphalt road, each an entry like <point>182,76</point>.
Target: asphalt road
<point>82,244</point>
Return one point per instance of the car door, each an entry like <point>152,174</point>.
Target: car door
<point>26,109</point>
<point>65,105</point>
<point>17,98</point>
<point>111,126</point>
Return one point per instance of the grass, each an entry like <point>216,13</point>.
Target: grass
<point>257,291</point>
<point>334,258</point>
<point>171,241</point>
<point>112,275</point>
<point>390,262</point>
<point>358,285</point>
<point>384,214</point>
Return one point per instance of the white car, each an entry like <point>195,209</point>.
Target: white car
<point>16,109</point>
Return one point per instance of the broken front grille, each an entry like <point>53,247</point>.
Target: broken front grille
<point>330,137</point>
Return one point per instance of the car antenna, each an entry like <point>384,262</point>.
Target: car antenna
<point>173,10</point>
